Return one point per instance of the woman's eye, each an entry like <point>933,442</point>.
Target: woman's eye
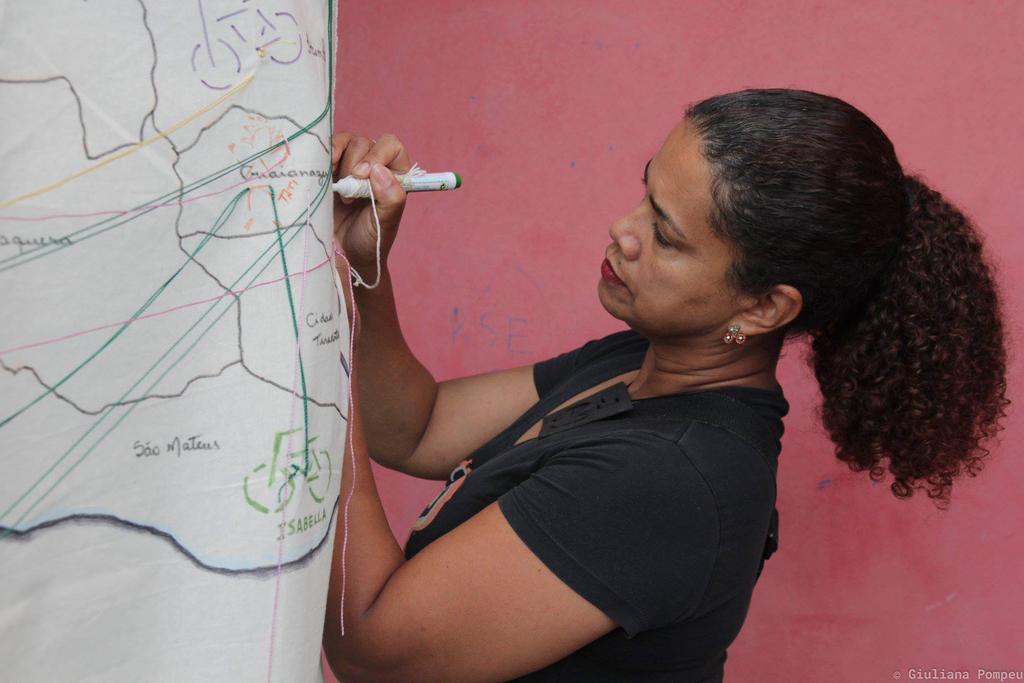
<point>658,236</point>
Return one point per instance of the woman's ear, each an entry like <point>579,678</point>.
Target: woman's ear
<point>771,311</point>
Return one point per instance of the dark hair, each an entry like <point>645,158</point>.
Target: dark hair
<point>900,305</point>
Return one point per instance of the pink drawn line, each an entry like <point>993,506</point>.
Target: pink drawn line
<point>159,313</point>
<point>146,207</point>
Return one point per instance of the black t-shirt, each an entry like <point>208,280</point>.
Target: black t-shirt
<point>660,521</point>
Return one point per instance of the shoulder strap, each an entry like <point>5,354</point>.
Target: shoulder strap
<point>739,419</point>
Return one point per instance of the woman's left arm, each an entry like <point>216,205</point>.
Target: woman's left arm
<point>426,619</point>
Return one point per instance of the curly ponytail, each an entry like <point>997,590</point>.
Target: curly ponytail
<point>900,304</point>
<point>919,374</point>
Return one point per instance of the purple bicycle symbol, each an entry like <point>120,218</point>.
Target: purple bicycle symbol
<point>238,26</point>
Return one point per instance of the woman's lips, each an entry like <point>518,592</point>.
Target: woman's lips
<point>608,274</point>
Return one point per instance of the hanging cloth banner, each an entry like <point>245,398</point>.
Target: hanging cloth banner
<point>174,342</point>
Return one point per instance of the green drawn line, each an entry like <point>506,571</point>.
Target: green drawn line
<point>295,327</point>
<point>218,224</point>
<point>100,419</point>
<point>11,527</point>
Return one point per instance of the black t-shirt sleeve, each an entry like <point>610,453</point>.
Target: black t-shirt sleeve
<point>549,373</point>
<point>626,522</point>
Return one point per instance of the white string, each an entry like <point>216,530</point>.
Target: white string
<point>357,278</point>
<point>354,325</point>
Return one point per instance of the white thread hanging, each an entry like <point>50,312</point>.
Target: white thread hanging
<point>365,185</point>
<point>357,279</point>
<point>353,327</point>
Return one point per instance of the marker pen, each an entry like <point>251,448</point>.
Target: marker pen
<point>414,180</point>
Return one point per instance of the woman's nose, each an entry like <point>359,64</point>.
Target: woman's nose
<point>623,235</point>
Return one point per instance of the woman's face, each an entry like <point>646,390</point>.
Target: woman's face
<point>672,268</point>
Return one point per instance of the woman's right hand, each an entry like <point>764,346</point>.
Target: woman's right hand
<point>354,227</point>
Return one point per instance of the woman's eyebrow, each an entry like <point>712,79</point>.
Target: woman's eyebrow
<point>657,209</point>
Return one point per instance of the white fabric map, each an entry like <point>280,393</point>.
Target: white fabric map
<point>173,346</point>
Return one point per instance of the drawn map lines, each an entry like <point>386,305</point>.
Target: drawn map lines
<point>273,244</point>
<point>78,100</point>
<point>262,571</point>
<point>113,404</point>
<point>277,244</point>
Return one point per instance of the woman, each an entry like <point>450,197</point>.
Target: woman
<point>623,541</point>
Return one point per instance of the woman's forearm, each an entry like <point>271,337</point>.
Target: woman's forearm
<point>396,390</point>
<point>366,553</point>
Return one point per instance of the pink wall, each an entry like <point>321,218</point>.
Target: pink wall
<point>549,110</point>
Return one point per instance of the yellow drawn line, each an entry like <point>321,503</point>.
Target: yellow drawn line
<point>129,150</point>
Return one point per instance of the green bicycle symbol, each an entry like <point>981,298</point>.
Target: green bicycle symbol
<point>277,480</point>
